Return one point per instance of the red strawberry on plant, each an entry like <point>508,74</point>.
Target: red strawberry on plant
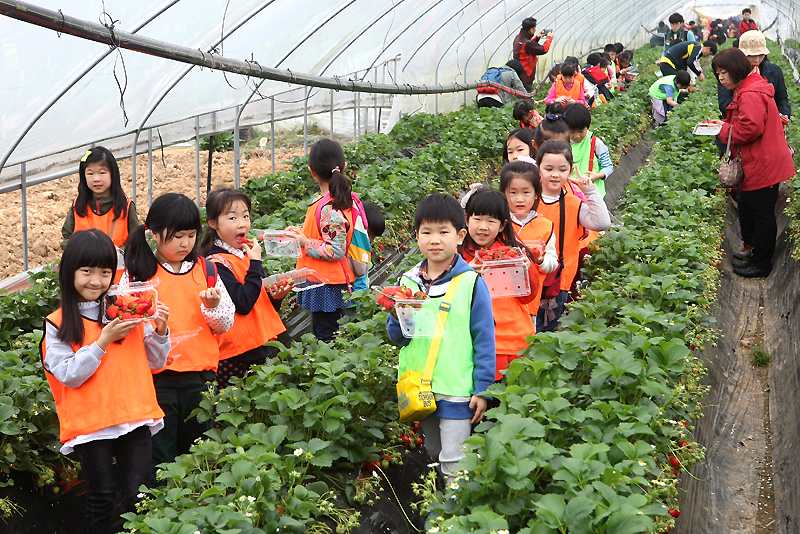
<point>674,462</point>
<point>406,441</point>
<point>674,513</point>
<point>682,443</point>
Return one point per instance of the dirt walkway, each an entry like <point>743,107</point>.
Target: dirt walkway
<point>49,202</point>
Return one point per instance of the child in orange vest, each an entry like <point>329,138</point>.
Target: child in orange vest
<point>520,183</point>
<point>324,244</point>
<point>101,202</point>
<point>201,310</point>
<point>101,378</point>
<point>489,228</point>
<point>557,204</point>
<point>239,267</point>
<point>566,90</point>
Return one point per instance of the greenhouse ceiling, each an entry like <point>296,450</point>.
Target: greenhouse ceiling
<point>59,92</point>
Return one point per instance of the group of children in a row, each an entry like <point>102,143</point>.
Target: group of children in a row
<point>548,207</point>
<point>125,390</point>
<point>595,84</point>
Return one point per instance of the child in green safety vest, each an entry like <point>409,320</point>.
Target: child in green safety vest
<point>664,94</point>
<point>589,153</point>
<point>465,364</point>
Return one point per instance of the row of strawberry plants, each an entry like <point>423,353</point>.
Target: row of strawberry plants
<point>294,434</point>
<point>595,423</point>
<point>793,137</point>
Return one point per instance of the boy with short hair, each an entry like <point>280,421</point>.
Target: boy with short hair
<point>589,153</point>
<point>664,94</point>
<point>465,365</point>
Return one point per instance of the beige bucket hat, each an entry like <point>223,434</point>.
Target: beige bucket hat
<point>753,43</point>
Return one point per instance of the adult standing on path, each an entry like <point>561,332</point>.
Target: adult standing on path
<point>754,125</point>
<point>527,48</point>
<point>747,24</point>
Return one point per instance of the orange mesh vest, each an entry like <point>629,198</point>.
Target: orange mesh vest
<point>181,294</point>
<point>512,320</point>
<point>116,229</point>
<point>336,272</point>
<point>120,391</point>
<point>573,232</point>
<point>539,229</point>
<point>574,93</point>
<point>257,327</point>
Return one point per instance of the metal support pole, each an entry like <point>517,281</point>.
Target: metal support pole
<point>358,114</point>
<point>23,177</point>
<point>375,97</point>
<point>133,166</point>
<point>236,150</point>
<point>355,120</point>
<point>331,114</point>
<point>149,167</point>
<point>272,131</point>
<point>197,159</point>
<point>436,97</point>
<point>305,124</point>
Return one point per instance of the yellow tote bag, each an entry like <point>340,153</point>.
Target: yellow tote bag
<point>414,395</point>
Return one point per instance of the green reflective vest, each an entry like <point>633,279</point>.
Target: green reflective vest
<point>580,156</point>
<point>657,89</point>
<point>454,365</point>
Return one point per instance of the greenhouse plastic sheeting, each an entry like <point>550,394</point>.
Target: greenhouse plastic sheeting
<point>71,82</point>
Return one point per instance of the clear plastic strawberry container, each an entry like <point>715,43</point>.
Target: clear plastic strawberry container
<point>506,277</point>
<point>417,317</point>
<point>277,243</point>
<point>137,300</point>
<point>303,279</point>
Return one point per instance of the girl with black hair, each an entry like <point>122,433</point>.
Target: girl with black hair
<point>101,202</point>
<point>489,228</point>
<point>325,237</point>
<point>202,309</point>
<point>239,266</point>
<point>522,187</point>
<point>519,143</point>
<point>101,378</point>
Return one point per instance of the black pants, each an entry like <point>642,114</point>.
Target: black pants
<point>132,452</point>
<point>667,69</point>
<point>759,227</point>
<point>489,103</point>
<point>326,324</point>
<point>178,393</point>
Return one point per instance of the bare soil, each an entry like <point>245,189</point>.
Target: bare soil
<point>48,203</point>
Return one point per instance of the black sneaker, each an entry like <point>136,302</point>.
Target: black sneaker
<point>751,271</point>
<point>746,254</point>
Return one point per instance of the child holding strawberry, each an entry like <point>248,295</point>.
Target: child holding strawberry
<point>239,267</point>
<point>465,368</point>
<point>490,237</point>
<point>189,285</point>
<point>101,378</point>
<point>520,183</point>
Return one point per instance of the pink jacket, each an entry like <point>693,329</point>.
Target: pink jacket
<point>758,132</point>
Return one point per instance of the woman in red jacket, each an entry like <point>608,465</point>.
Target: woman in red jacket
<point>753,122</point>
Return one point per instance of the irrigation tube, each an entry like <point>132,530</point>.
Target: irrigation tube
<point>96,32</point>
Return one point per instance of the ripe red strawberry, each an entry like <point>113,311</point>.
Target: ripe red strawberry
<point>141,309</point>
<point>420,295</point>
<point>406,441</point>
<point>112,312</point>
<point>682,443</point>
<point>674,513</point>
<point>119,302</point>
<point>674,462</point>
<point>127,315</point>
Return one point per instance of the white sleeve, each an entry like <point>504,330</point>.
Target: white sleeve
<point>550,261</point>
<point>594,215</point>
<point>220,319</point>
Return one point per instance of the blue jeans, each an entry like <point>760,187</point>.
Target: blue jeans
<point>552,323</point>
<point>132,451</point>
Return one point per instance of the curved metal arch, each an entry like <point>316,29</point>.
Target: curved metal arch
<point>432,33</point>
<point>286,56</point>
<point>70,84</point>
